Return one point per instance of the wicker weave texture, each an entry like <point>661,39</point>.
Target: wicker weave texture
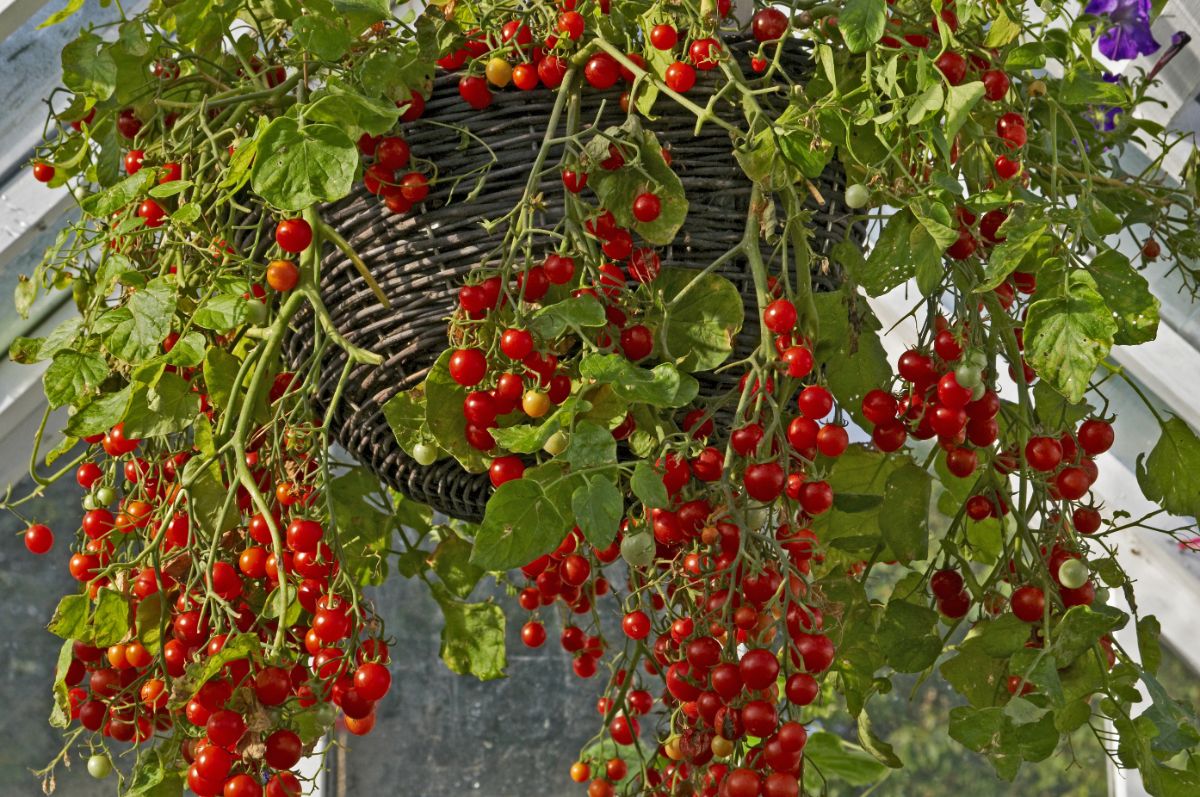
<point>421,258</point>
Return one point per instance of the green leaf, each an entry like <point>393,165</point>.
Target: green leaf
<point>62,14</point>
<point>1004,29</point>
<point>696,328</point>
<point>1001,637</point>
<point>353,112</point>
<point>906,636</point>
<point>591,446</point>
<point>167,407</point>
<point>1078,631</point>
<point>577,312</point>
<point>99,414</point>
<point>237,646</point>
<point>661,386</point>
<point>405,414</point>
<point>862,23</point>
<point>1167,475</point>
<point>451,561</point>
<point>135,332</point>
<point>805,150</point>
<point>849,348</point>
<point>1055,411</point>
<point>72,376</point>
<point>444,417</point>
<point>904,517</point>
<point>297,167</point>
<point>88,67</point>
<point>110,620</point>
<point>220,375</point>
<point>598,508</point>
<point>70,620</point>
<point>520,523</point>
<point>647,485</point>
<point>473,637</point>
<point>1030,55</point>
<point>1021,234</point>
<point>927,102</point>
<point>369,10</point>
<point>836,759</point>
<point>1127,294</point>
<point>1067,336</point>
<point>112,199</point>
<point>893,259</point>
<point>1084,88</point>
<point>222,312</point>
<point>1148,634</point>
<point>975,675</point>
<point>527,438</point>
<point>364,525</point>
<point>60,713</point>
<point>960,100</point>
<point>148,621</point>
<point>188,351</point>
<point>326,38</point>
<point>883,752</point>
<point>617,189</point>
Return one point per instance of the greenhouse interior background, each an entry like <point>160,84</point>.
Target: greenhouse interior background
<point>441,734</point>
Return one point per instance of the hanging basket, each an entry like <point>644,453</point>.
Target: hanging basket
<point>420,259</point>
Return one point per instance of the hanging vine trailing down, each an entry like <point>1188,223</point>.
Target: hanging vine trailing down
<point>629,395</point>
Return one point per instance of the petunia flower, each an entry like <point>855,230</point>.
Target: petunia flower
<point>1130,34</point>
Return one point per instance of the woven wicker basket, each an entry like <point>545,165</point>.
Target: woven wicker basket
<point>420,259</point>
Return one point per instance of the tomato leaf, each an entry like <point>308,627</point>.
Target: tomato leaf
<point>590,446</point>
<point>297,167</point>
<point>520,523</point>
<point>73,376</point>
<point>647,485</point>
<point>135,332</point>
<point>364,525</point>
<point>451,561</point>
<point>112,199</point>
<point>110,620</point>
<point>70,618</point>
<point>904,515</point>
<point>598,507</point>
<point>443,414</point>
<point>472,637</point>
<point>1167,475</point>
<point>88,67</point>
<point>148,620</point>
<point>862,23</point>
<point>1067,336</point>
<point>907,637</point>
<point>576,313</point>
<point>1127,294</point>
<point>661,386</point>
<point>99,414</point>
<point>698,321</point>
<point>60,712</point>
<point>166,407</point>
<point>645,170</point>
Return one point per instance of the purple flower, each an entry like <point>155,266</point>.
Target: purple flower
<point>1130,34</point>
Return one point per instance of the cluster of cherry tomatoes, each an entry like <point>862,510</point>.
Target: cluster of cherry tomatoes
<point>238,728</point>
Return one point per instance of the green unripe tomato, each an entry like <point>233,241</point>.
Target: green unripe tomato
<point>1072,574</point>
<point>968,375</point>
<point>857,196</point>
<point>978,391</point>
<point>99,766</point>
<point>638,550</point>
<point>977,358</point>
<point>89,503</point>
<point>105,496</point>
<point>424,454</point>
<point>556,444</point>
